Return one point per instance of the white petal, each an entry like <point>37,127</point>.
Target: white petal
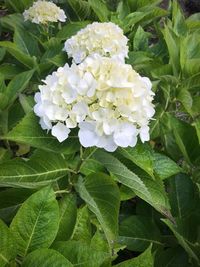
<point>87,135</point>
<point>122,140</point>
<point>69,96</point>
<point>107,143</point>
<point>147,82</point>
<point>60,114</point>
<point>45,123</point>
<point>60,131</point>
<point>144,134</point>
<point>150,111</point>
<point>79,56</point>
<point>124,135</point>
<point>37,97</point>
<point>71,123</point>
<point>133,141</point>
<point>39,109</point>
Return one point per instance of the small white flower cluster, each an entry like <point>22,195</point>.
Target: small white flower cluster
<point>105,39</point>
<point>44,12</point>
<point>104,97</point>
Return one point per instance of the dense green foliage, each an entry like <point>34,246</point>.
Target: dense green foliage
<point>63,205</point>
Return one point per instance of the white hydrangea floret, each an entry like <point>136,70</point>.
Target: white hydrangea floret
<point>107,100</point>
<point>43,12</point>
<point>105,39</point>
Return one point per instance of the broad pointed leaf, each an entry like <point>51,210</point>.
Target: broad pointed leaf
<point>41,169</point>
<point>67,220</point>
<point>103,198</point>
<point>148,189</point>
<point>7,245</point>
<point>46,258</point>
<point>16,86</point>
<point>29,131</point>
<point>81,254</point>
<point>36,223</point>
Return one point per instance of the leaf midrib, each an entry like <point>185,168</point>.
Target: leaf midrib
<point>34,174</point>
<point>4,258</point>
<point>33,230</point>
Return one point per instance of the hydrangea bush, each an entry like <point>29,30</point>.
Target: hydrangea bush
<point>99,134</point>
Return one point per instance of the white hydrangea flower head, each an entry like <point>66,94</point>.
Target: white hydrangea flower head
<point>109,102</point>
<point>43,12</point>
<point>105,39</point>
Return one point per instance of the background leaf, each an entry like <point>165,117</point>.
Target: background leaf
<point>7,245</point>
<point>102,196</point>
<point>36,223</point>
<point>67,220</point>
<point>46,257</point>
<point>16,86</point>
<point>29,131</point>
<point>41,169</point>
<point>81,254</point>
<point>143,260</point>
<point>138,232</point>
<point>146,188</point>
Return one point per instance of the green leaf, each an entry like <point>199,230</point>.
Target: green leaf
<point>102,196</point>
<point>81,254</point>
<point>140,41</point>
<point>138,232</point>
<point>7,245</point>
<point>186,99</point>
<point>82,230</point>
<point>25,59</point>
<point>197,127</point>
<point>99,242</point>
<point>46,258</point>
<point>171,257</point>
<point>59,60</point>
<point>193,21</point>
<point>29,131</point>
<point>186,232</point>
<point>27,102</point>
<point>126,193</point>
<point>182,196</point>
<point>123,9</point>
<point>19,6</point>
<point>164,167</point>
<point>16,86</point>
<point>141,155</point>
<point>5,154</point>
<point>26,43</point>
<point>189,146</point>
<point>67,220</point>
<point>100,9</point>
<point>90,166</point>
<point>189,54</point>
<point>9,71</point>
<point>81,8</point>
<point>178,20</point>
<point>12,21</point>
<point>71,29</point>
<point>132,19</point>
<point>145,259</point>
<point>10,200</point>
<point>36,223</point>
<point>2,53</point>
<point>142,17</point>
<point>41,169</point>
<point>172,43</point>
<point>146,188</point>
